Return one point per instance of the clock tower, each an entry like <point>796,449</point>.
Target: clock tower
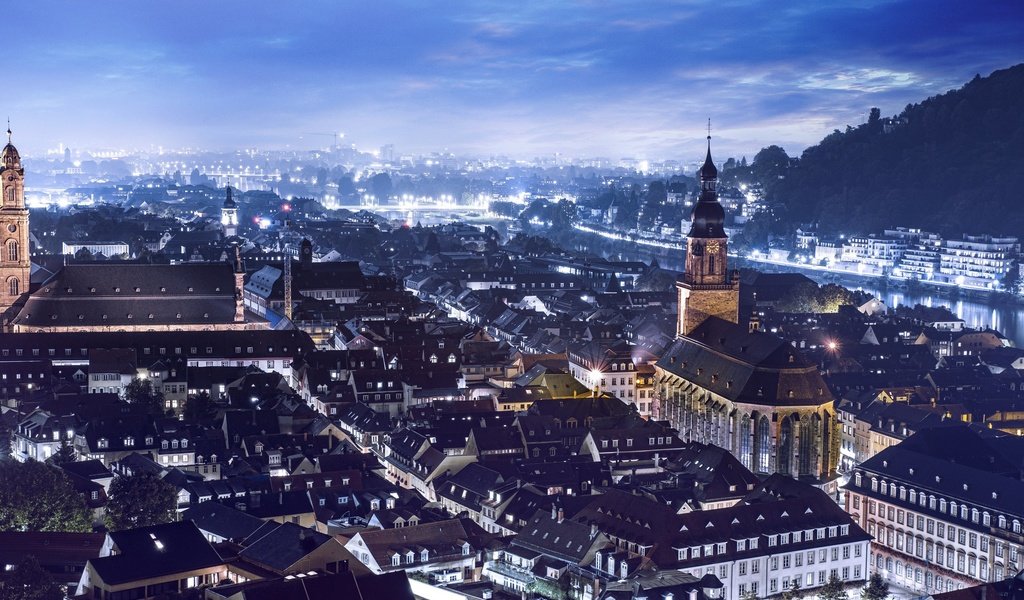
<point>707,288</point>
<point>15,265</point>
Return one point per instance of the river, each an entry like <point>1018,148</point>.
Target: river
<point>1008,319</point>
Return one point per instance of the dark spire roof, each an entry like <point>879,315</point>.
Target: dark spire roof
<point>9,158</point>
<point>229,202</point>
<point>708,171</point>
<point>708,217</point>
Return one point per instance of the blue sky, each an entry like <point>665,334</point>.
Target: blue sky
<point>587,78</point>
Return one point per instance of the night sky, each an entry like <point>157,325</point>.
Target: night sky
<point>613,79</point>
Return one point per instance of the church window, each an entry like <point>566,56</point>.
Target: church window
<point>711,265</point>
<point>13,286</point>
<point>12,250</point>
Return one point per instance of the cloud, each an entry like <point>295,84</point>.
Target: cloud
<point>576,77</point>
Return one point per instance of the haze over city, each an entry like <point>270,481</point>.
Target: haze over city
<point>577,78</point>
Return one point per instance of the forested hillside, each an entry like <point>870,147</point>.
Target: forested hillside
<point>952,163</point>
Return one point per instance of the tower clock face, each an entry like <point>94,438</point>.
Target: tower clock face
<point>712,246</point>
<point>12,228</point>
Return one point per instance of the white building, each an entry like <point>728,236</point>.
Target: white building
<point>944,507</point>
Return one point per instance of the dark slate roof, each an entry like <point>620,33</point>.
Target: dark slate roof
<point>89,469</point>
<point>393,586</point>
<point>182,548</point>
<point>283,546</point>
<point>326,586</point>
<point>221,520</point>
<point>105,294</point>
<point>744,366</point>
<point>49,547</point>
<point>567,539</point>
<point>954,461</point>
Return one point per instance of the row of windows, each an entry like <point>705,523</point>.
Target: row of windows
<point>951,507</point>
<point>809,579</point>
<point>146,351</point>
<point>629,442</point>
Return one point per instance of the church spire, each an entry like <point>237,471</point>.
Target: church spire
<point>708,172</point>
<point>708,217</point>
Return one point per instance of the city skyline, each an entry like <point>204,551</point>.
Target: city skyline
<point>578,79</point>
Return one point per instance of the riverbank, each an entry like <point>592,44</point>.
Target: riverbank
<point>991,311</point>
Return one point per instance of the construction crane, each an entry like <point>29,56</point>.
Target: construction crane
<point>336,136</point>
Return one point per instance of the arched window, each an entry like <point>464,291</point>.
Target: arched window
<point>13,286</point>
<point>12,250</point>
<point>711,264</point>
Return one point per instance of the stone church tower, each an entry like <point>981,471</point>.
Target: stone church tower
<point>707,288</point>
<point>15,265</point>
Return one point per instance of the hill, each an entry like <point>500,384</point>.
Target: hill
<point>952,163</point>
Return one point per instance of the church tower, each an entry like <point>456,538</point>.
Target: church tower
<point>707,288</point>
<point>15,263</point>
<point>229,215</point>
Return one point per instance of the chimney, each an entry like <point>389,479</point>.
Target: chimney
<point>561,514</point>
<point>554,511</point>
<point>593,529</point>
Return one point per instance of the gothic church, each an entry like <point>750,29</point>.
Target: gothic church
<point>749,392</point>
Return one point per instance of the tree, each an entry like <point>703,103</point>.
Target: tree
<point>794,592</point>
<point>29,581</point>
<point>35,496</point>
<point>380,187</point>
<point>876,589</point>
<point>832,590</point>
<point>140,393</point>
<point>65,454</point>
<point>140,500</point>
<point>198,407</point>
<point>751,595</point>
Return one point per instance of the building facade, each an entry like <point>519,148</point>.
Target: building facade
<point>749,392</point>
<point>944,509</point>
<point>15,265</point>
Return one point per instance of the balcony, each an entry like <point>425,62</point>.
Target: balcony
<point>510,571</point>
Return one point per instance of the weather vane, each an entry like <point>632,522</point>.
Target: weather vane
<point>709,128</point>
